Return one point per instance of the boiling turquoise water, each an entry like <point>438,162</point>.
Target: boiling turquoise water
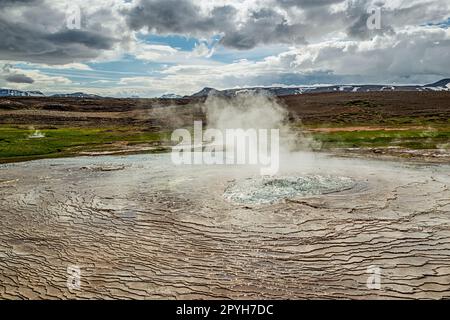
<point>264,190</point>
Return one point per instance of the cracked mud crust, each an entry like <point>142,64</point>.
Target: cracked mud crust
<point>152,230</point>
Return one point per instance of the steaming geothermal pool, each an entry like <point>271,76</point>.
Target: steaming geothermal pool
<point>139,227</point>
<point>263,190</point>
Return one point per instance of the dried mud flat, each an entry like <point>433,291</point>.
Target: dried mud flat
<point>139,227</point>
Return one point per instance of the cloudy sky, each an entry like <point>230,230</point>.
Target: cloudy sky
<point>150,47</point>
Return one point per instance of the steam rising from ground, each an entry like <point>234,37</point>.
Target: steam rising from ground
<point>245,111</point>
<point>36,134</point>
<point>247,129</point>
<point>257,111</point>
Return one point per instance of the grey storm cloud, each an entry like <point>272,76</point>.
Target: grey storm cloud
<point>89,39</point>
<point>274,21</point>
<point>36,31</point>
<point>19,78</point>
<point>40,35</point>
<point>358,28</point>
<point>6,74</point>
<point>5,3</point>
<point>307,3</point>
<point>178,16</point>
<point>357,15</point>
<point>23,42</point>
<point>263,26</point>
<point>414,14</point>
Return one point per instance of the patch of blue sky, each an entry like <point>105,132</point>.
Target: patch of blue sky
<point>442,24</point>
<point>181,43</point>
<point>107,71</point>
<point>221,54</point>
<point>226,55</point>
<point>129,66</point>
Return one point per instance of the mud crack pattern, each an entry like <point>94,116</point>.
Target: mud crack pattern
<point>151,230</point>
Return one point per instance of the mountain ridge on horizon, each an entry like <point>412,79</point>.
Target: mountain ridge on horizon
<point>441,85</point>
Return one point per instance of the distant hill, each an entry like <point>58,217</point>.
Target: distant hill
<point>170,96</point>
<point>206,92</point>
<point>442,85</point>
<point>75,95</point>
<point>19,93</point>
